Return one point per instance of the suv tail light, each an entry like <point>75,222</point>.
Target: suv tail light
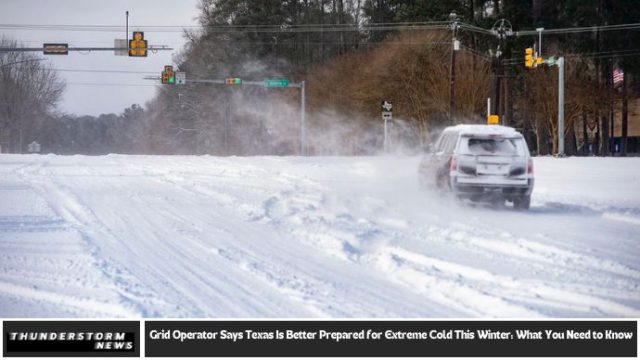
<point>452,163</point>
<point>530,167</point>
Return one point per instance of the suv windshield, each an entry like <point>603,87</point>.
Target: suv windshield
<point>498,146</point>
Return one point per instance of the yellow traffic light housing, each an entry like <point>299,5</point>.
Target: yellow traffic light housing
<point>138,45</point>
<point>528,58</point>
<point>168,76</point>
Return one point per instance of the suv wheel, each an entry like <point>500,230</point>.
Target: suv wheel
<point>522,203</point>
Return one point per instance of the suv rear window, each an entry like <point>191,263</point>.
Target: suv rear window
<point>494,146</point>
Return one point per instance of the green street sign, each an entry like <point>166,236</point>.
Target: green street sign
<point>276,83</point>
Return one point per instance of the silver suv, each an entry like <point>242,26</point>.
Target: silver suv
<point>481,162</point>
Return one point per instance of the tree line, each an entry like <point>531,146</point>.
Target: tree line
<point>29,92</point>
<point>352,54</point>
<point>352,60</point>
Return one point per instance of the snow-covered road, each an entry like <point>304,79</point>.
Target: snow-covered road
<point>187,236</point>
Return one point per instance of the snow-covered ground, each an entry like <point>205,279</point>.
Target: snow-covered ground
<point>187,236</point>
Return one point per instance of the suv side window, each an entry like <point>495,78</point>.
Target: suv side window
<point>441,142</point>
<point>451,143</point>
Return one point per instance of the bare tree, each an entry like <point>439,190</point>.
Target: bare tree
<point>29,92</point>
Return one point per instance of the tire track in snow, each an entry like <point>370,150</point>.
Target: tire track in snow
<point>365,242</point>
<point>209,299</point>
<point>340,235</point>
<point>44,260</point>
<point>251,223</point>
<point>66,205</point>
<point>437,275</point>
<point>88,306</point>
<point>537,273</point>
<point>305,285</point>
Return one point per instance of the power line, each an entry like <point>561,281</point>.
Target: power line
<point>294,28</point>
<point>107,84</point>
<point>476,53</point>
<point>237,28</point>
<point>475,29</point>
<point>225,26</point>
<point>581,29</point>
<point>108,71</point>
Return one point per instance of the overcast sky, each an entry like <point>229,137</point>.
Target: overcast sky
<point>81,97</point>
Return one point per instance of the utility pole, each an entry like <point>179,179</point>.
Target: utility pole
<point>126,36</point>
<point>455,45</point>
<point>501,29</point>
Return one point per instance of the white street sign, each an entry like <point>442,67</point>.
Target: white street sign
<point>386,106</point>
<point>123,47</point>
<point>33,147</point>
<point>181,78</point>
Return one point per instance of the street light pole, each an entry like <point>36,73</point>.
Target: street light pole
<point>561,106</point>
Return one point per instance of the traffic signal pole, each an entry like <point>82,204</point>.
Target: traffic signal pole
<point>561,106</point>
<point>303,120</point>
<point>530,62</point>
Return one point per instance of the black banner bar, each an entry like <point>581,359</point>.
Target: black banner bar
<point>391,338</point>
<point>71,338</point>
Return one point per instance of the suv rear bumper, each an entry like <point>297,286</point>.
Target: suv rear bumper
<point>479,189</point>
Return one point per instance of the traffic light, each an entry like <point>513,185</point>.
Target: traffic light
<point>233,81</point>
<point>138,45</point>
<point>168,76</point>
<point>528,58</point>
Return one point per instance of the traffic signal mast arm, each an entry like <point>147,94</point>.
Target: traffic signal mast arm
<point>168,72</point>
